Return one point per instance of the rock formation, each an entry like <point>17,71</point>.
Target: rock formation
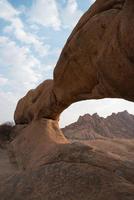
<point>90,127</point>
<point>74,172</point>
<point>96,62</point>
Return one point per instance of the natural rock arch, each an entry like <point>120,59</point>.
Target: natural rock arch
<point>96,62</point>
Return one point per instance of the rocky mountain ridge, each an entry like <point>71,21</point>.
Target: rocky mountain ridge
<point>89,127</point>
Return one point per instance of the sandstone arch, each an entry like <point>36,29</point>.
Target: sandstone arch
<point>96,62</point>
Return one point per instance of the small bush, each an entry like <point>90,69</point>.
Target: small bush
<point>5,131</point>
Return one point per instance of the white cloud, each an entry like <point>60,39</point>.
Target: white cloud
<point>26,37</point>
<point>7,105</point>
<point>22,75</point>
<point>3,80</point>
<point>70,14</point>
<point>21,65</point>
<point>24,72</point>
<point>16,27</point>
<point>49,13</point>
<point>45,13</point>
<point>7,12</point>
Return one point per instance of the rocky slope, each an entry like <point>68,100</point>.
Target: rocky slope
<point>72,172</point>
<point>120,125</point>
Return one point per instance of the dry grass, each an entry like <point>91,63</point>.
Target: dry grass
<point>5,131</point>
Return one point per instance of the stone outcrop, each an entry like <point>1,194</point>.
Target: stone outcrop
<point>96,62</point>
<point>90,127</point>
<point>36,143</point>
<point>72,172</point>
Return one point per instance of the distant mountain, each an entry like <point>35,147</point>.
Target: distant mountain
<point>89,127</point>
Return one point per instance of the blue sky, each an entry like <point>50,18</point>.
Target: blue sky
<point>32,35</point>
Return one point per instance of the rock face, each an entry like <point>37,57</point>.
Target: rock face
<point>89,127</point>
<point>96,62</point>
<point>73,172</point>
<point>36,143</point>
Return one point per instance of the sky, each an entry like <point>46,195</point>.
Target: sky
<point>32,35</point>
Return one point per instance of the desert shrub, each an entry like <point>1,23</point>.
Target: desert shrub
<point>6,130</point>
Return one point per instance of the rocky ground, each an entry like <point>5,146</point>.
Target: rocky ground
<point>47,166</point>
<point>74,171</point>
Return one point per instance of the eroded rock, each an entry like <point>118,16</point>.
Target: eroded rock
<point>96,62</point>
